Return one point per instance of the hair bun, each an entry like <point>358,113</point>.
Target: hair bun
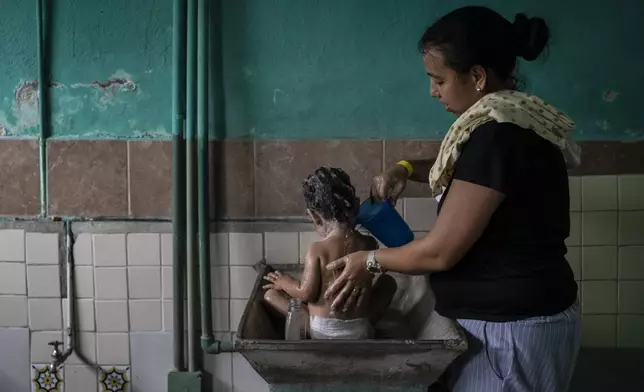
<point>531,36</point>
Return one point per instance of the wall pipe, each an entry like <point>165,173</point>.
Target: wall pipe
<point>178,180</point>
<point>43,85</point>
<point>202,164</point>
<point>191,186</point>
<point>208,343</point>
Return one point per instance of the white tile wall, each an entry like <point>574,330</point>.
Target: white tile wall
<point>242,280</point>
<point>113,348</point>
<point>45,314</point>
<point>281,248</point>
<point>42,248</point>
<point>12,245</point>
<point>83,252</point>
<point>13,278</point>
<point>143,249</point>
<point>43,281</point>
<point>144,282</point>
<point>85,314</point>
<point>109,250</point>
<point>146,315</point>
<point>40,350</point>
<point>13,311</point>
<point>166,249</point>
<point>220,278</point>
<point>80,378</point>
<point>220,249</point>
<point>246,248</point>
<point>86,345</point>
<point>112,316</point>
<point>111,283</point>
<point>84,282</point>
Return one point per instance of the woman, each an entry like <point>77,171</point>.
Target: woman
<point>497,251</point>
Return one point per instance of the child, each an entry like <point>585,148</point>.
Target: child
<point>332,204</point>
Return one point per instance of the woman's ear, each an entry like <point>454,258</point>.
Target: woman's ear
<point>479,78</point>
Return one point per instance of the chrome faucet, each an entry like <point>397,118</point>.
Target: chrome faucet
<point>57,356</point>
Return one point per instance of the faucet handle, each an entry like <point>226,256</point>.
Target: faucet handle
<point>55,343</point>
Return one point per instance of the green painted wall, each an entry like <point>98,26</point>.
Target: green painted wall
<point>309,69</point>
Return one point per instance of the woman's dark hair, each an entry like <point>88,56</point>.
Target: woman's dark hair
<point>475,35</point>
<point>328,191</point>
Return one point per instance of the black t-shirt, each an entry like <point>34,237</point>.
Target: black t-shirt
<point>517,269</point>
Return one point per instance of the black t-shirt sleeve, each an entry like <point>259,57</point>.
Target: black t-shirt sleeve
<point>488,157</point>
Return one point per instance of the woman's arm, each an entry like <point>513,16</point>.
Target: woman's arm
<point>464,215</point>
<point>421,169</point>
<point>463,218</point>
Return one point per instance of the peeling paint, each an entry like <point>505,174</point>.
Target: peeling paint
<point>610,95</point>
<point>604,125</point>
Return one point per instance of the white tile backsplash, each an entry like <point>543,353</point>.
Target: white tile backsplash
<point>13,311</point>
<point>111,283</point>
<point>86,345</point>
<point>167,283</point>
<point>85,314</point>
<point>13,278</point>
<point>220,249</point>
<point>281,248</point>
<point>146,315</point>
<point>42,248</point>
<point>143,249</point>
<point>166,249</point>
<point>220,315</point>
<point>45,314</point>
<point>40,348</point>
<point>84,281</point>
<point>246,248</point>
<point>113,348</point>
<point>420,213</point>
<point>237,307</point>
<point>220,278</point>
<point>144,282</point>
<point>81,379</point>
<point>112,316</point>
<point>12,245</point>
<point>83,249</point>
<point>43,281</point>
<point>109,250</point>
<point>242,280</point>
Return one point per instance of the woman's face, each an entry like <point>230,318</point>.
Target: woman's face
<point>457,92</point>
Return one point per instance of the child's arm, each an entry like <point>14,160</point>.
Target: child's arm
<point>308,288</point>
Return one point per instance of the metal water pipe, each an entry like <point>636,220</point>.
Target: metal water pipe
<point>42,31</point>
<point>178,180</point>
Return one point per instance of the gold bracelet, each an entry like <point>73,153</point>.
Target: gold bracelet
<point>408,166</point>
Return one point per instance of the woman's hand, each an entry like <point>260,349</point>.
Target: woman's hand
<point>391,183</point>
<point>278,281</point>
<point>349,289</point>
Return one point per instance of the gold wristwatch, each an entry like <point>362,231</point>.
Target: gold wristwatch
<point>373,266</point>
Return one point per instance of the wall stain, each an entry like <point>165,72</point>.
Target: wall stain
<point>610,95</point>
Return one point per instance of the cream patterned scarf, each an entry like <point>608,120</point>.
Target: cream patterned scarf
<point>524,110</point>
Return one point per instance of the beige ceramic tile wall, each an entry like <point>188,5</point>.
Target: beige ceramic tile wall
<point>124,282</point>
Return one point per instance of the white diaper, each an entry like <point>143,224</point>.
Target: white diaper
<point>330,328</point>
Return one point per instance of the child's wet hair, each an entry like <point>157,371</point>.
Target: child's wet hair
<point>328,191</point>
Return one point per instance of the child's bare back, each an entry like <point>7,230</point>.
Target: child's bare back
<point>322,253</point>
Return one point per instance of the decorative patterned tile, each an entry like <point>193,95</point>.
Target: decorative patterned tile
<point>44,380</point>
<point>114,379</point>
